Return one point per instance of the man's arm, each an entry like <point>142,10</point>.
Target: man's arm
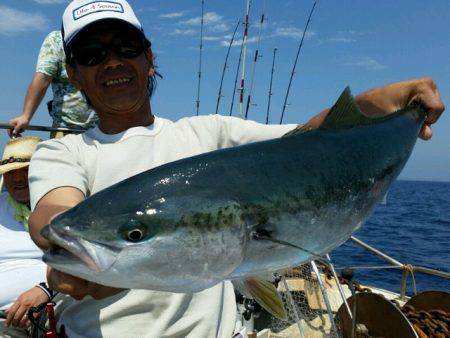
<point>388,99</point>
<point>53,203</point>
<point>35,93</point>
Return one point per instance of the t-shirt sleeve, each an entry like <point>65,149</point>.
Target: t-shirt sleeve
<point>234,131</point>
<point>49,60</point>
<point>55,164</point>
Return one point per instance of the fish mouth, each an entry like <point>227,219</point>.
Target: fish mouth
<point>66,250</point>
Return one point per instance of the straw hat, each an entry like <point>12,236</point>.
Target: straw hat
<point>18,153</point>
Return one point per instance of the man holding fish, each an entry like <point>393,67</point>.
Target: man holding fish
<point>111,61</point>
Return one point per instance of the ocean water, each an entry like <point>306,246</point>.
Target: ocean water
<point>414,228</point>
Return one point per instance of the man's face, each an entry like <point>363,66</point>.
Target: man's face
<point>117,84</point>
<point>16,182</point>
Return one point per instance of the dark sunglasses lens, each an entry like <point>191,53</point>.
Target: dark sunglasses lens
<point>90,55</point>
<point>128,46</point>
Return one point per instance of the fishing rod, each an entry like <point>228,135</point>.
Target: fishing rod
<point>44,128</point>
<point>225,66</point>
<point>244,43</point>
<point>270,86</point>
<point>254,61</point>
<point>295,63</point>
<point>236,79</point>
<point>200,59</point>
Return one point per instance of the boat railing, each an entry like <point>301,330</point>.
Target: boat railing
<point>44,128</point>
<point>407,269</point>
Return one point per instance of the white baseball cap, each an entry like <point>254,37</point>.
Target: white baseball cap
<point>81,13</point>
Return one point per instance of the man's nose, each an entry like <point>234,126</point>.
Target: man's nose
<point>112,60</point>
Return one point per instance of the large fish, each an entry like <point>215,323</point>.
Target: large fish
<point>238,212</point>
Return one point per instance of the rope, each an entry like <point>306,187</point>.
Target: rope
<point>410,269</point>
<point>432,323</point>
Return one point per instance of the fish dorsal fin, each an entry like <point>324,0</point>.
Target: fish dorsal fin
<point>266,294</point>
<point>344,113</point>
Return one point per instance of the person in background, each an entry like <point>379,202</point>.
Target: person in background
<point>21,267</point>
<point>69,107</point>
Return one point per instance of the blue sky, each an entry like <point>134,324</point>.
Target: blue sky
<point>358,43</point>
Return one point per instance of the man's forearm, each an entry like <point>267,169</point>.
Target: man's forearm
<point>52,204</point>
<point>35,93</point>
<point>39,218</point>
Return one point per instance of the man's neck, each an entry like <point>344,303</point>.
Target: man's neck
<point>116,123</point>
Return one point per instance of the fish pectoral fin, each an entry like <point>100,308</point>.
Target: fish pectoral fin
<point>266,294</point>
<point>262,234</point>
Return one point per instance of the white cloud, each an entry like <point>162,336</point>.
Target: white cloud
<point>184,32</point>
<point>350,33</point>
<point>208,19</point>
<point>292,32</point>
<point>342,37</point>
<point>213,38</point>
<point>13,21</point>
<point>212,21</point>
<point>216,38</point>
<point>365,62</point>
<point>50,2</point>
<point>145,9</point>
<point>341,40</point>
<point>221,27</point>
<point>238,42</point>
<point>172,15</point>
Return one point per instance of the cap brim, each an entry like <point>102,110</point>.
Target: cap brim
<point>121,21</point>
<point>12,166</point>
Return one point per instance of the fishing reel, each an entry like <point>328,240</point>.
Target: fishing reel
<point>250,305</point>
<point>39,316</point>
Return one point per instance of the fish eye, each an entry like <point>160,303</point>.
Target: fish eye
<point>134,231</point>
<point>135,235</point>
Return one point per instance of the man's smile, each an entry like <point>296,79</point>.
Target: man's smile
<point>117,81</point>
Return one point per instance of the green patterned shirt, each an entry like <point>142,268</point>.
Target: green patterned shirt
<point>69,108</point>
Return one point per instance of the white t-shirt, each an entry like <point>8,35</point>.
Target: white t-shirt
<point>93,161</point>
<point>21,267</point>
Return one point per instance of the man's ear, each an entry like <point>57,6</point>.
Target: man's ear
<point>151,60</point>
<point>72,75</point>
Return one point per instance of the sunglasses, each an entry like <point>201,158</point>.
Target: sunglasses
<point>92,52</point>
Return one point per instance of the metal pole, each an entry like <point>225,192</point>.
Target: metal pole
<point>325,297</point>
<point>270,86</point>
<point>200,60</point>
<point>244,53</point>
<point>294,308</point>
<point>336,278</point>
<point>403,285</point>
<point>421,269</point>
<point>433,272</point>
<point>295,63</point>
<point>252,78</point>
<point>44,128</point>
<point>375,251</point>
<point>225,67</point>
<point>236,79</point>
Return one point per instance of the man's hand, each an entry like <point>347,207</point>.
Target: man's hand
<point>17,313</point>
<point>76,287</point>
<point>390,98</point>
<point>19,123</point>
